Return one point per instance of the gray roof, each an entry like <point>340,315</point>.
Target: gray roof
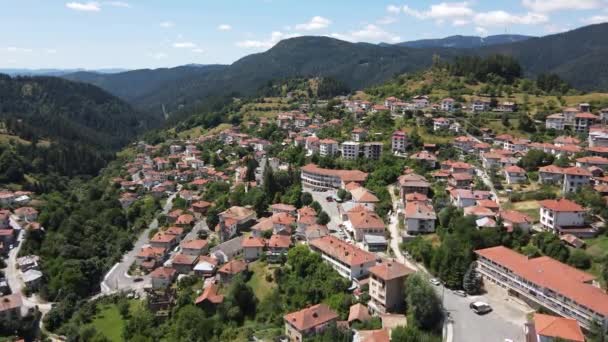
<point>371,239</point>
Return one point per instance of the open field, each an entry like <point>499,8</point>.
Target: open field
<point>109,322</point>
<point>261,287</point>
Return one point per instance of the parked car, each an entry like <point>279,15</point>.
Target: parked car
<point>138,279</point>
<point>329,199</point>
<point>460,293</point>
<point>480,308</point>
<point>435,281</point>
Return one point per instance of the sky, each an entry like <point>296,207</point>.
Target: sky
<point>163,33</point>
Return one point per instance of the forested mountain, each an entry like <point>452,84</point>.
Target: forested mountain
<point>81,126</point>
<point>576,56</point>
<point>132,85</point>
<point>465,42</point>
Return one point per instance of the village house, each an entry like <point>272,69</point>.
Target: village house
<point>328,147</point>
<point>194,247</point>
<point>348,260</point>
<point>308,321</point>
<point>550,174</point>
<point>364,197</point>
<point>253,247</point>
<point>363,221</point>
<point>231,269</point>
<point>162,277</point>
<point>358,134</point>
<point>575,178</point>
<point>440,124</point>
<point>206,266</point>
<point>561,215</point>
<point>210,298</point>
<point>386,286</point>
<point>11,307</point>
<point>278,246</point>
<point>515,174</point>
<point>512,219</point>
<point>233,219</point>
<point>410,183</point>
<point>447,104</point>
<point>460,180</point>
<point>426,158</point>
<point>149,257</point>
<point>164,240</point>
<point>547,328</point>
<point>463,198</point>
<point>183,263</point>
<point>419,217</point>
<point>283,208</point>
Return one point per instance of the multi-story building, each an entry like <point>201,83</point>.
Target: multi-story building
<point>328,147</point>
<point>386,283</point>
<point>561,213</point>
<point>320,178</point>
<point>546,282</point>
<point>372,150</point>
<point>440,124</point>
<point>547,328</point>
<point>348,260</point>
<point>350,150</point>
<point>598,137</point>
<point>412,183</point>
<point>308,321</point>
<point>582,122</point>
<point>399,141</point>
<point>550,174</point>
<point>575,178</point>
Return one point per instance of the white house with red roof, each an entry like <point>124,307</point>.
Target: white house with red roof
<point>399,141</point>
<point>561,213</point>
<point>447,104</point>
<point>348,260</point>
<point>548,328</point>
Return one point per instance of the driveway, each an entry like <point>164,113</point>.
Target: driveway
<point>117,278</point>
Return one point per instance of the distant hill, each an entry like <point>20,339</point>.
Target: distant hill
<point>134,84</point>
<point>55,72</point>
<point>465,42</point>
<point>577,56</point>
<point>58,109</point>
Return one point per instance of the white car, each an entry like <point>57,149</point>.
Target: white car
<point>435,281</point>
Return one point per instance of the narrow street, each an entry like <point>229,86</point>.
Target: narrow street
<point>117,278</point>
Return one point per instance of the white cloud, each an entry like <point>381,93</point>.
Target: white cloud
<point>118,4</point>
<point>275,37</point>
<point>558,5</point>
<point>553,28</point>
<point>393,9</point>
<point>84,6</point>
<point>596,19</point>
<point>50,51</point>
<point>198,50</point>
<point>158,55</point>
<point>224,27</point>
<point>442,11</point>
<point>369,33</point>
<point>18,49</point>
<point>387,20</point>
<point>481,31</point>
<point>167,24</point>
<point>460,22</point>
<point>184,45</point>
<point>315,23</point>
<point>501,18</point>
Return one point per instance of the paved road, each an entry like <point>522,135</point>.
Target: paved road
<point>506,321</point>
<point>117,278</point>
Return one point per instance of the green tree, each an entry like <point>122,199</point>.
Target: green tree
<point>472,281</point>
<point>423,305</point>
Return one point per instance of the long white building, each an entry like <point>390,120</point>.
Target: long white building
<point>547,283</point>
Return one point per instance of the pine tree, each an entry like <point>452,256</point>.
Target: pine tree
<point>471,283</point>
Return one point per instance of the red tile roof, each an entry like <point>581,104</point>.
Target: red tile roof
<point>552,274</point>
<point>279,241</point>
<point>253,242</point>
<point>561,204</point>
<point>576,171</point>
<point>566,329</point>
<point>388,270</point>
<point>211,294</point>
<point>343,251</point>
<point>163,272</point>
<point>311,317</point>
<point>233,267</point>
<point>345,175</point>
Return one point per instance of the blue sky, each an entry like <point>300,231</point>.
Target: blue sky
<point>159,33</point>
